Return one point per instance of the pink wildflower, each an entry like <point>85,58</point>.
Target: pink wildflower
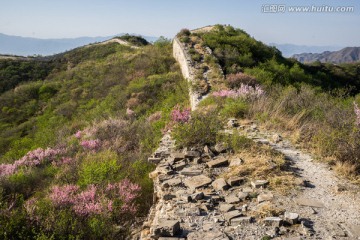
<point>180,116</point>
<point>63,195</point>
<point>90,144</point>
<point>245,91</point>
<point>78,134</point>
<point>7,169</point>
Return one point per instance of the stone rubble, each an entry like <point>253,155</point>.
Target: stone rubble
<point>194,201</point>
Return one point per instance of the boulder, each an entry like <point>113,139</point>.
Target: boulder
<point>167,228</point>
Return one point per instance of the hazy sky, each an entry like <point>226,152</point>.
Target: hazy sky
<point>74,18</point>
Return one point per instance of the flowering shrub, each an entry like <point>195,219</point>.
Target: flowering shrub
<point>245,91</point>
<point>31,159</point>
<point>91,144</point>
<point>7,169</point>
<point>78,134</point>
<point>127,192</point>
<point>96,201</point>
<point>63,195</point>
<point>357,113</point>
<point>180,116</point>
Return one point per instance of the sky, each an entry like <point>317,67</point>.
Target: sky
<point>76,18</point>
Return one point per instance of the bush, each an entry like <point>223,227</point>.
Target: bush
<point>199,131</point>
<point>235,80</point>
<point>235,142</point>
<point>234,108</point>
<point>98,168</point>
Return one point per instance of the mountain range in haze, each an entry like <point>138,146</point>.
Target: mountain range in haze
<point>27,46</point>
<point>345,55</point>
<point>289,50</point>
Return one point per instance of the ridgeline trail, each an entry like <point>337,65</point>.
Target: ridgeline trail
<point>192,199</point>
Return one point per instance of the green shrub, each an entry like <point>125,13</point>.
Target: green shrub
<point>98,168</point>
<point>199,131</point>
<point>235,141</point>
<point>234,108</point>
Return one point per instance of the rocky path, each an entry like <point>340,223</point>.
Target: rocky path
<point>330,205</point>
<point>195,199</point>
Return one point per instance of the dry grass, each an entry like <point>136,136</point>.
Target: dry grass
<point>262,162</point>
<point>345,169</point>
<point>266,209</point>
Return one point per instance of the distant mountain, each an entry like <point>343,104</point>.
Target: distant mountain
<point>345,55</point>
<point>26,46</point>
<point>288,50</point>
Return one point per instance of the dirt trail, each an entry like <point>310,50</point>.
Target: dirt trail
<point>337,215</point>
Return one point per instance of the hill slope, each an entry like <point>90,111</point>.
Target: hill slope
<point>345,55</point>
<point>74,137</point>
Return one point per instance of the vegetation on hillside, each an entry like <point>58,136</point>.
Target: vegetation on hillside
<point>317,103</point>
<point>75,134</point>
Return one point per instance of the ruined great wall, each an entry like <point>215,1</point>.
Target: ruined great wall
<point>193,200</point>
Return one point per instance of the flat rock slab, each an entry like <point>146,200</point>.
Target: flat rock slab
<point>240,221</point>
<point>192,154</point>
<point>232,199</point>
<point>191,172</point>
<point>225,207</point>
<point>178,156</point>
<point>265,197</point>
<point>171,182</point>
<point>197,181</point>
<point>259,183</point>
<point>219,184</point>
<point>218,162</point>
<point>235,181</point>
<point>154,160</point>
<point>309,202</point>
<point>167,228</point>
<point>216,234</point>
<point>232,214</point>
<point>243,195</point>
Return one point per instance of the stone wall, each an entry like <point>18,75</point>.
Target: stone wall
<point>187,69</point>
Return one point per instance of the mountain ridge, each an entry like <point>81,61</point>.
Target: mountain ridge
<point>345,55</point>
